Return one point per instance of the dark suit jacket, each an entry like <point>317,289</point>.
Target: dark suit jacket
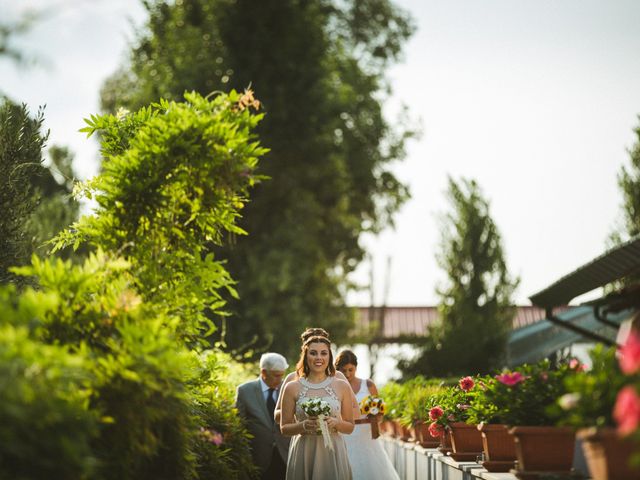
<point>266,434</point>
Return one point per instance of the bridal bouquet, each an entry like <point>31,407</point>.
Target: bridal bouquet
<point>372,407</point>
<point>316,407</point>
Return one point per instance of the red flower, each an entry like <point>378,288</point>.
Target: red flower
<point>436,430</point>
<point>511,379</point>
<point>627,410</point>
<point>630,353</point>
<point>466,383</point>
<point>435,413</point>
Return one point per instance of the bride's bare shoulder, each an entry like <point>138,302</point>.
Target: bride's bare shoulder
<point>292,387</point>
<point>340,375</point>
<point>339,384</point>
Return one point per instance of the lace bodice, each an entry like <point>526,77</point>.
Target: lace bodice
<point>321,390</point>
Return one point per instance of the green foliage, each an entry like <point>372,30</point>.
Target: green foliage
<point>394,396</point>
<point>147,404</point>
<point>319,69</point>
<point>475,307</point>
<point>592,395</point>
<point>174,179</point>
<point>21,144</point>
<point>419,399</point>
<point>155,398</point>
<point>45,424</point>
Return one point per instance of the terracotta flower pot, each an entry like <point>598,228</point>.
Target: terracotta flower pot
<point>608,454</point>
<point>466,441</point>
<point>405,434</point>
<point>499,447</point>
<point>424,437</point>
<point>544,449</point>
<point>397,428</point>
<point>386,427</point>
<point>414,433</point>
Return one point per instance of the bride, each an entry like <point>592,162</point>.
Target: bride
<point>309,457</point>
<point>368,459</point>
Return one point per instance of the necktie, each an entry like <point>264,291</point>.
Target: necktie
<point>271,403</point>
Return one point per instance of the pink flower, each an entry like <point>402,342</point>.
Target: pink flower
<point>435,413</point>
<point>212,436</point>
<point>574,364</point>
<point>626,412</point>
<point>511,379</point>
<point>466,383</point>
<point>462,406</point>
<point>544,376</point>
<point>630,353</point>
<point>451,417</point>
<point>436,430</point>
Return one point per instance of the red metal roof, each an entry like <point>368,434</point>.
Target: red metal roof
<point>413,321</point>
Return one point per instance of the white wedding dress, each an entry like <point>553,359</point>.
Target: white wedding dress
<point>368,459</point>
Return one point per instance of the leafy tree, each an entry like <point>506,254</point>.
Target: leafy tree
<point>174,179</point>
<point>629,183</point>
<point>21,144</point>
<point>36,195</point>
<point>475,303</point>
<point>318,66</point>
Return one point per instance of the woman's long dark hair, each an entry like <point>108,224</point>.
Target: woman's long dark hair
<point>302,367</point>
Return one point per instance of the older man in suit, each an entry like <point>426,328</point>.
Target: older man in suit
<point>256,401</point>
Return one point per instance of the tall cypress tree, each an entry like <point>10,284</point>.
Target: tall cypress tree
<point>475,306</point>
<point>318,67</point>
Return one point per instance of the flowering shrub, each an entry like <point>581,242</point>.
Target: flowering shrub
<point>521,397</point>
<point>450,406</point>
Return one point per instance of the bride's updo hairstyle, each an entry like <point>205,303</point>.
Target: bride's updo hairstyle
<point>313,332</point>
<point>302,367</point>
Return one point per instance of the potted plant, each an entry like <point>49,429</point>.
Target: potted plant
<point>589,406</point>
<point>415,416</point>
<point>393,394</point>
<point>525,398</point>
<point>497,444</point>
<point>451,414</point>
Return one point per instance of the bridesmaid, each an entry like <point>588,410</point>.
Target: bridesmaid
<point>309,458</point>
<point>367,457</point>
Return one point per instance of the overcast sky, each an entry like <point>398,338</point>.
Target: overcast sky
<point>534,99</point>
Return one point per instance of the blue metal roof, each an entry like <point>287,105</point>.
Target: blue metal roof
<point>539,340</point>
